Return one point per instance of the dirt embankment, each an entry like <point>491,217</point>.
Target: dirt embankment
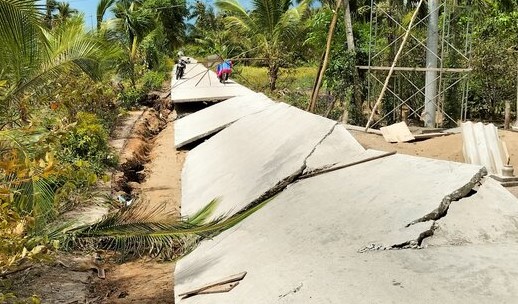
<point>150,168</point>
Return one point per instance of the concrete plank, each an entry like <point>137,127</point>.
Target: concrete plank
<point>303,246</point>
<point>249,157</point>
<point>482,146</point>
<point>488,216</point>
<point>202,84</point>
<point>397,132</point>
<point>214,118</point>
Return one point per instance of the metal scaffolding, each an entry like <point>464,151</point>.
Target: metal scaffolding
<point>409,86</point>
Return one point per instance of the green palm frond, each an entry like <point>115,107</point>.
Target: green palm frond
<point>35,197</point>
<point>289,21</point>
<point>18,18</point>
<point>34,57</point>
<point>70,49</point>
<point>235,8</point>
<point>204,213</point>
<point>137,231</point>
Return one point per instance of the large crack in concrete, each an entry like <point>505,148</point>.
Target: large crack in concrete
<point>432,217</point>
<point>456,195</point>
<point>292,178</point>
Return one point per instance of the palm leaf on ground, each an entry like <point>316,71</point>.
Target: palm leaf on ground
<point>137,231</point>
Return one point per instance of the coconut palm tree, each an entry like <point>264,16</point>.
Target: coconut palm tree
<point>64,12</point>
<point>50,7</point>
<point>271,25</point>
<point>33,57</point>
<point>133,23</point>
<point>102,7</point>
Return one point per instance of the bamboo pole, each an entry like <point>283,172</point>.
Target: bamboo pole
<point>393,64</point>
<point>318,82</point>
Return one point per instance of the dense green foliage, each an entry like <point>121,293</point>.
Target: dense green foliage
<point>62,88</point>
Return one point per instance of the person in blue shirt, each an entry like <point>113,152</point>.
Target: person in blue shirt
<point>223,70</point>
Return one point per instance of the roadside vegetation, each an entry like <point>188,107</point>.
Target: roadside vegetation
<point>64,86</point>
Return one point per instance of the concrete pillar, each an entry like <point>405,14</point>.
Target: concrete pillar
<point>432,43</point>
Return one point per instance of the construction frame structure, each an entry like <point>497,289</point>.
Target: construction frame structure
<point>417,88</point>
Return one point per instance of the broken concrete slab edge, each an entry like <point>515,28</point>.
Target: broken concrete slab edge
<point>202,136</point>
<point>284,183</point>
<point>456,195</point>
<point>330,168</point>
<point>218,129</point>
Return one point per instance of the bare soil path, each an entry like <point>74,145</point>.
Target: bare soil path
<point>147,281</point>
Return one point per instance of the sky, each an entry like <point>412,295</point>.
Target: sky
<point>89,8</point>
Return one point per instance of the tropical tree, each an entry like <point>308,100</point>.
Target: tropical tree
<point>170,19</point>
<point>64,12</point>
<point>270,25</point>
<point>102,7</point>
<point>50,7</point>
<point>132,24</point>
<point>33,58</point>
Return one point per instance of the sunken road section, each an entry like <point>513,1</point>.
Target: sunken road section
<point>344,223</point>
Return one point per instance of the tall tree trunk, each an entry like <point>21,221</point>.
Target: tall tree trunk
<point>349,27</point>
<point>50,5</point>
<point>357,95</point>
<point>507,115</point>
<point>273,73</point>
<point>318,81</point>
<point>432,44</point>
<point>516,122</point>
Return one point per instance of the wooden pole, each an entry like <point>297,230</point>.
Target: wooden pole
<point>318,82</point>
<point>393,65</point>
<point>507,115</point>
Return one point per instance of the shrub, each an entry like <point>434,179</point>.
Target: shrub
<point>130,97</point>
<point>87,141</point>
<point>152,80</point>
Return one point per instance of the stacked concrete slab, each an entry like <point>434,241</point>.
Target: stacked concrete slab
<point>343,236</point>
<point>201,84</point>
<point>482,146</point>
<point>215,118</point>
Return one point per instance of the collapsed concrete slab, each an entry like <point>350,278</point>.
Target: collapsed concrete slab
<point>212,119</point>
<point>250,157</point>
<point>339,147</point>
<point>488,216</point>
<point>201,84</point>
<point>305,245</point>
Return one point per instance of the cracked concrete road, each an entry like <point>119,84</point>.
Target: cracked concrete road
<point>312,231</point>
<point>344,236</point>
<point>204,123</point>
<point>250,157</point>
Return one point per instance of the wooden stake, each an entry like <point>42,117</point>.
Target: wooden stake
<point>318,82</point>
<point>393,64</point>
<point>507,115</point>
<point>231,279</point>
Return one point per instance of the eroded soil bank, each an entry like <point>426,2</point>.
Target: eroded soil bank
<point>150,169</point>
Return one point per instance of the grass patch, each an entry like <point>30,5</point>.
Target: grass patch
<point>294,85</point>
